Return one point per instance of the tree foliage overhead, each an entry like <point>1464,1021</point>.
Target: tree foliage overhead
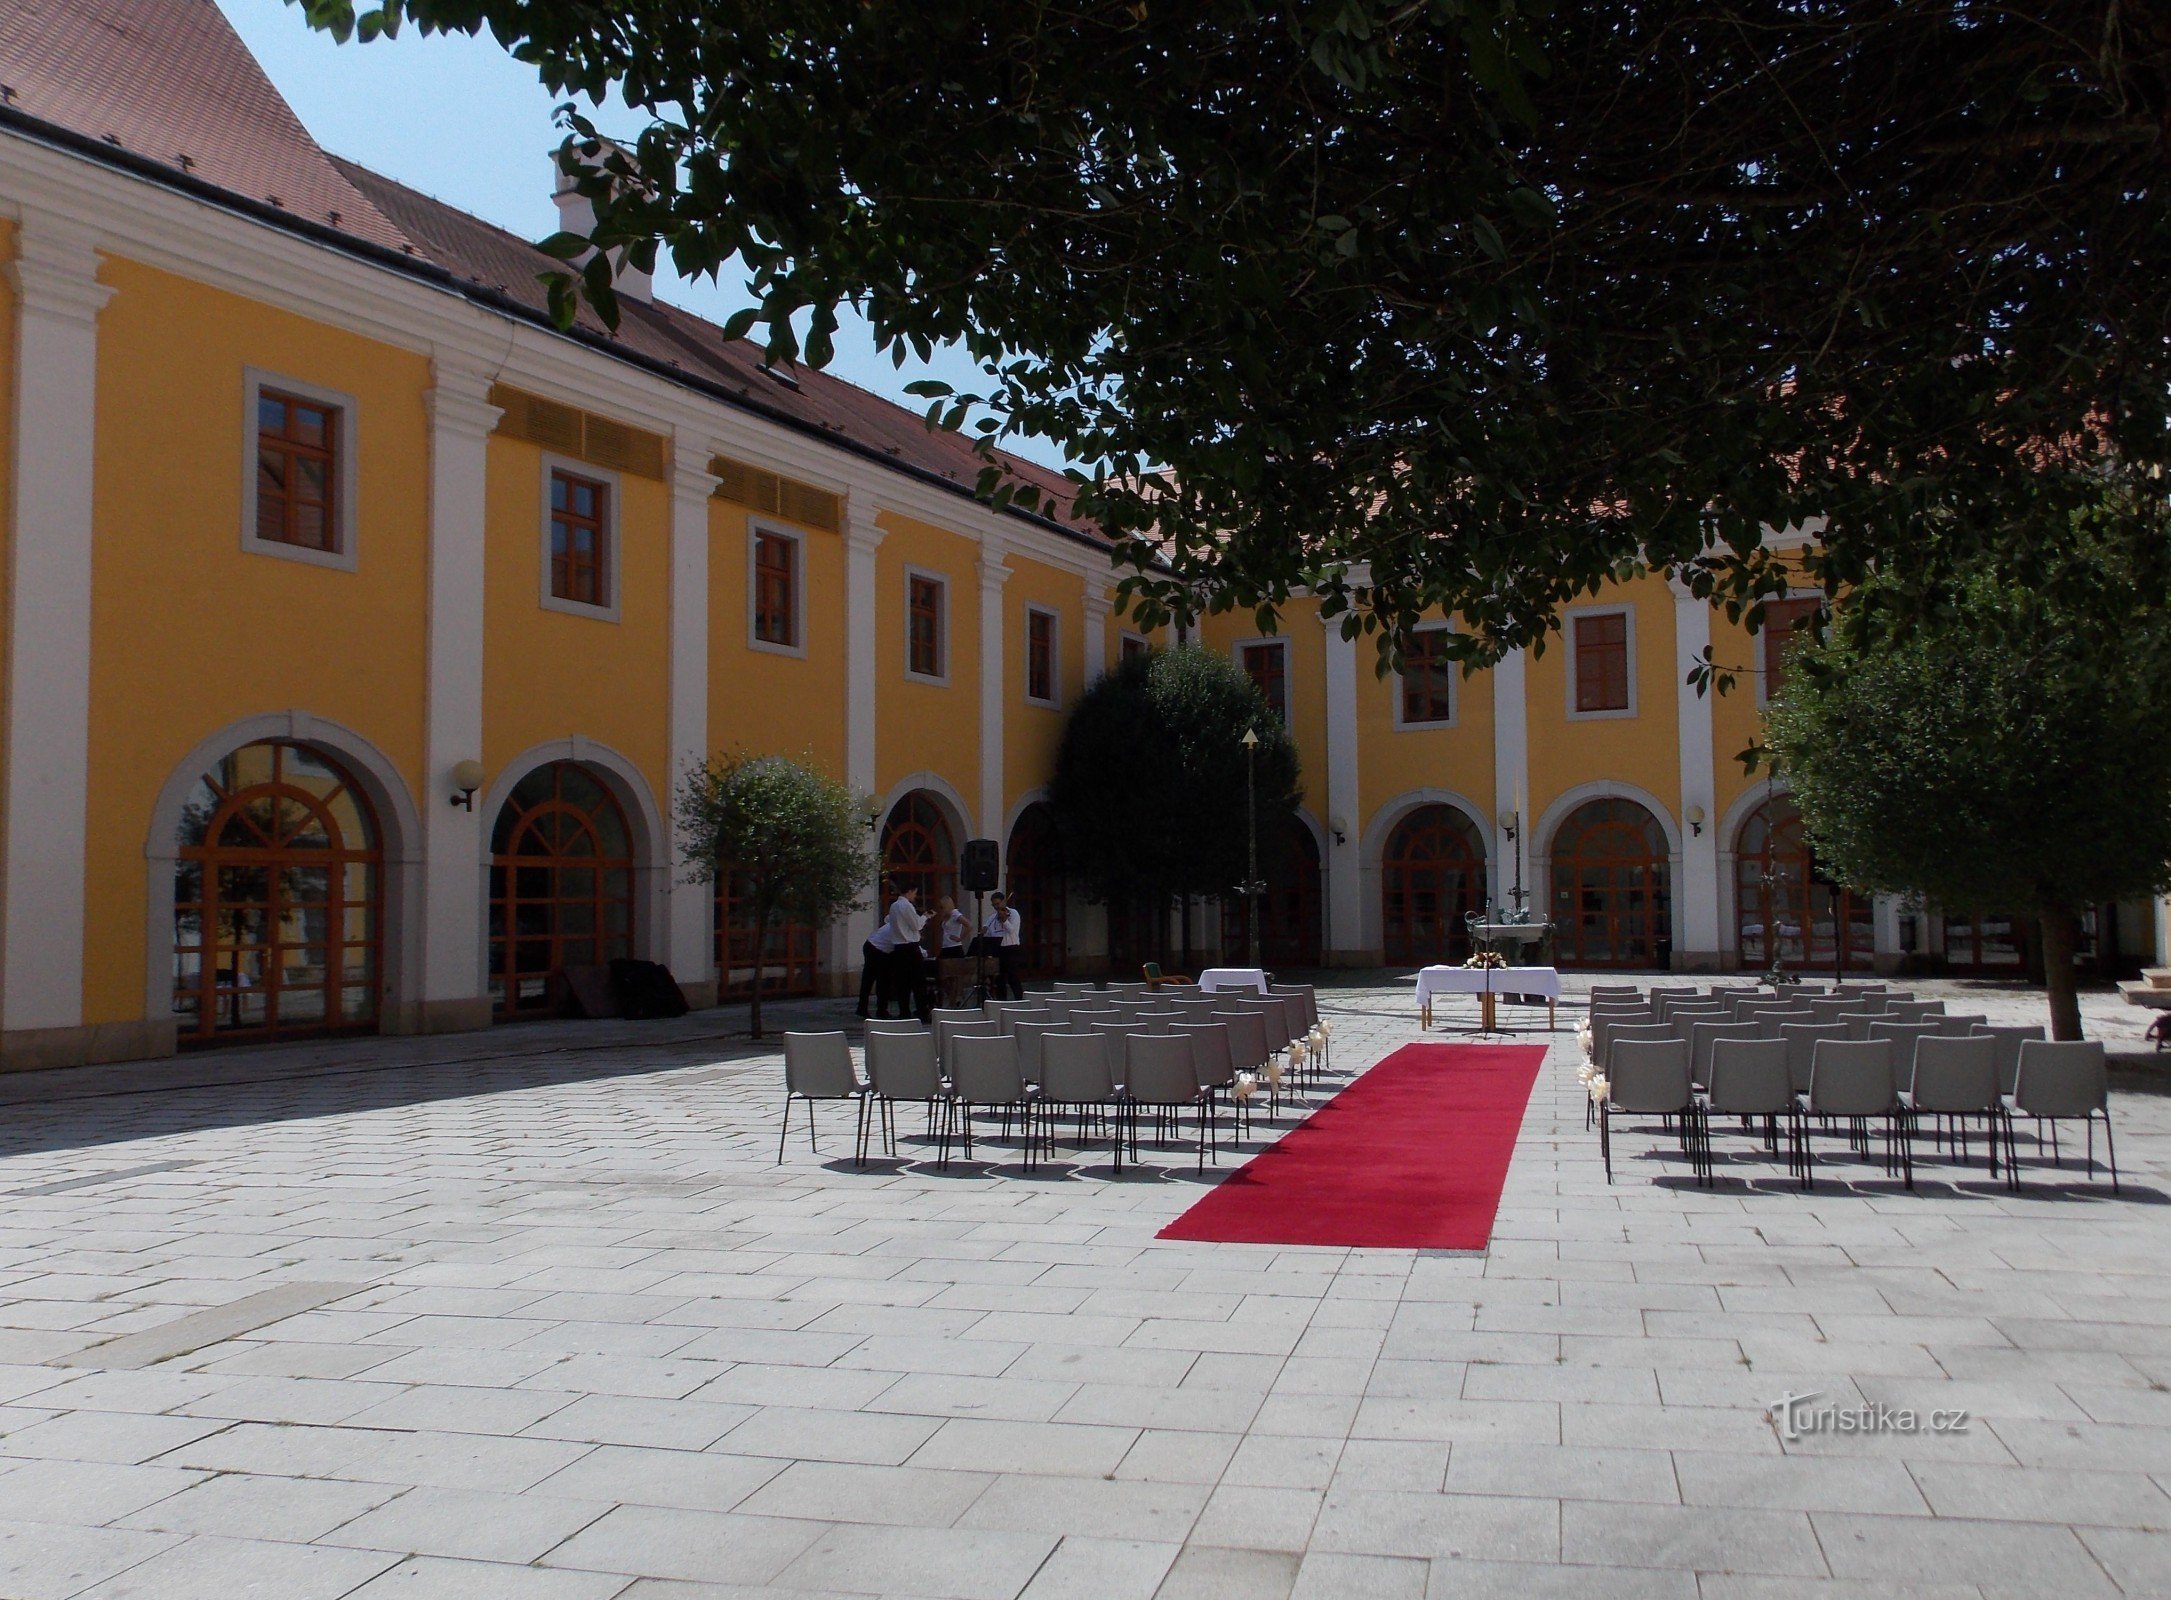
<point>789,839</point>
<point>1149,782</point>
<point>1439,303</point>
<point>2006,754</point>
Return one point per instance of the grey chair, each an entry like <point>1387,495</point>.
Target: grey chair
<point>1850,1080</point>
<point>1075,1076</point>
<point>984,1072</point>
<point>1913,1010</point>
<point>2062,1081</point>
<point>1161,1076</point>
<point>1216,1065</point>
<point>902,1069</point>
<point>818,1066</point>
<point>1702,1035</point>
<point>1748,1079</point>
<point>947,1033</point>
<point>942,1014</point>
<point>1769,1022</point>
<point>1650,1077</point>
<point>1801,1042</point>
<point>1248,1051</point>
<point>1953,1079</point>
<point>2010,1037</point>
<point>1959,1024</point>
<point>1857,1023</point>
<point>1030,1036</point>
<point>1610,991</point>
<point>1903,1036</point>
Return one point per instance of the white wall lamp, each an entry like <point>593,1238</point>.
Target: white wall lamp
<point>1337,826</point>
<point>1695,816</point>
<point>467,777</point>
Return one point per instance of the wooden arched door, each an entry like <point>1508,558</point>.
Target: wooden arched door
<point>918,849</point>
<point>1432,874</point>
<point>278,901</point>
<point>1780,912</point>
<point>1038,892</point>
<point>561,885</point>
<point>1612,888</point>
<point>1288,910</point>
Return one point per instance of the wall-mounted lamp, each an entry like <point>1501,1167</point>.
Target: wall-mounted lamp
<point>1695,815</point>
<point>1339,828</point>
<point>467,777</point>
<point>1509,823</point>
<point>873,813</point>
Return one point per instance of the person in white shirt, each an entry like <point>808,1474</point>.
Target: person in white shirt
<point>902,928</point>
<point>875,952</point>
<point>999,937</point>
<point>956,930</point>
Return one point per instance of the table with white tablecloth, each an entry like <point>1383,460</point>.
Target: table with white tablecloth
<point>1488,984</point>
<point>1215,979</point>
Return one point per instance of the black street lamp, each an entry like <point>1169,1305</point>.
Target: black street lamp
<point>1252,886</point>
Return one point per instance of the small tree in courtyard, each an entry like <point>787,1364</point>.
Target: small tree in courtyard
<point>1149,784</point>
<point>789,838</point>
<point>2006,755</point>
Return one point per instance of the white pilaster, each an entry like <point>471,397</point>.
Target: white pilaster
<point>1097,607</point>
<point>2163,931</point>
<point>1511,781</point>
<point>58,298</point>
<point>1345,899</point>
<point>455,871</point>
<point>1885,925</point>
<point>993,661</point>
<point>861,539</point>
<point>1697,894</point>
<point>691,955</point>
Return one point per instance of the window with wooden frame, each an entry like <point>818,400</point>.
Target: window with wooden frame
<point>1132,646</point>
<point>1040,664</point>
<point>1779,637</point>
<point>1428,680</point>
<point>297,471</point>
<point>580,535</point>
<point>1267,665</point>
<point>776,589</point>
<point>925,622</point>
<point>1601,662</point>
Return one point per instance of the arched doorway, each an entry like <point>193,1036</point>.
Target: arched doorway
<point>1780,912</point>
<point>561,885</point>
<point>1037,892</point>
<point>1288,910</point>
<point>278,901</point>
<point>1432,874</point>
<point>1612,901</point>
<point>788,965</point>
<point>918,849</point>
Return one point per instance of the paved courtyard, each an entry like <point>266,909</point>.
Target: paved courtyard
<point>535,1315</point>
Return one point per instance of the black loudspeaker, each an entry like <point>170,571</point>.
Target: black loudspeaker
<point>979,869</point>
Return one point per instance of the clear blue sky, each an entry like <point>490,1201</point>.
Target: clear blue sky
<point>461,120</point>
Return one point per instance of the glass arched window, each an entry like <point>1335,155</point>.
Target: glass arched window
<point>561,885</point>
<point>1036,881</point>
<point>1612,903</point>
<point>1288,910</point>
<point>1780,912</point>
<point>788,965</point>
<point>1432,874</point>
<point>277,900</point>
<point>917,849</point>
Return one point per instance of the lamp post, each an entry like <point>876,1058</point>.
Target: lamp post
<point>1251,844</point>
<point>1510,827</point>
<point>874,826</point>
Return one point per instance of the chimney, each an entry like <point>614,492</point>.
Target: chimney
<point>577,215</point>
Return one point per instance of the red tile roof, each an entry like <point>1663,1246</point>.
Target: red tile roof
<point>169,84</point>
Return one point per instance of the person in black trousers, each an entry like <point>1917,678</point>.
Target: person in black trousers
<point>873,958</point>
<point>999,938</point>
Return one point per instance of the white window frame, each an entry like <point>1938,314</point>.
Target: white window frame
<point>756,531</point>
<point>1624,609</point>
<point>941,679</point>
<point>1053,700</point>
<point>1454,691</point>
<point>614,520</point>
<point>1288,684</point>
<point>1761,673</point>
<point>345,466</point>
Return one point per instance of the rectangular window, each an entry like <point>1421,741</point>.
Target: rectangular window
<point>1428,679</point>
<point>1601,662</point>
<point>297,471</point>
<point>1266,665</point>
<point>776,590</point>
<point>924,626</point>
<point>1133,646</point>
<point>1040,655</point>
<point>1779,637</point>
<point>579,539</point>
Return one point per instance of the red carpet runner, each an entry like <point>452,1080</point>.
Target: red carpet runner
<point>1412,1156</point>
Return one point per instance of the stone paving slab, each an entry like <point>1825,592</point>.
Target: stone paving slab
<point>538,1314</point>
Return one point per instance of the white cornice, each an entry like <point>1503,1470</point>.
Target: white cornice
<point>230,251</point>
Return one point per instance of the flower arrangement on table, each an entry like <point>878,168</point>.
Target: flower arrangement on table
<point>1488,958</point>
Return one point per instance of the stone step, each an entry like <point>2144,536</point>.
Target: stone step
<point>2156,977</point>
<point>2148,994</point>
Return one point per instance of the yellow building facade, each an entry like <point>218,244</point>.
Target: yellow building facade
<point>359,626</point>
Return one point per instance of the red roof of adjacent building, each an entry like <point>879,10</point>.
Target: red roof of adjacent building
<point>171,90</point>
